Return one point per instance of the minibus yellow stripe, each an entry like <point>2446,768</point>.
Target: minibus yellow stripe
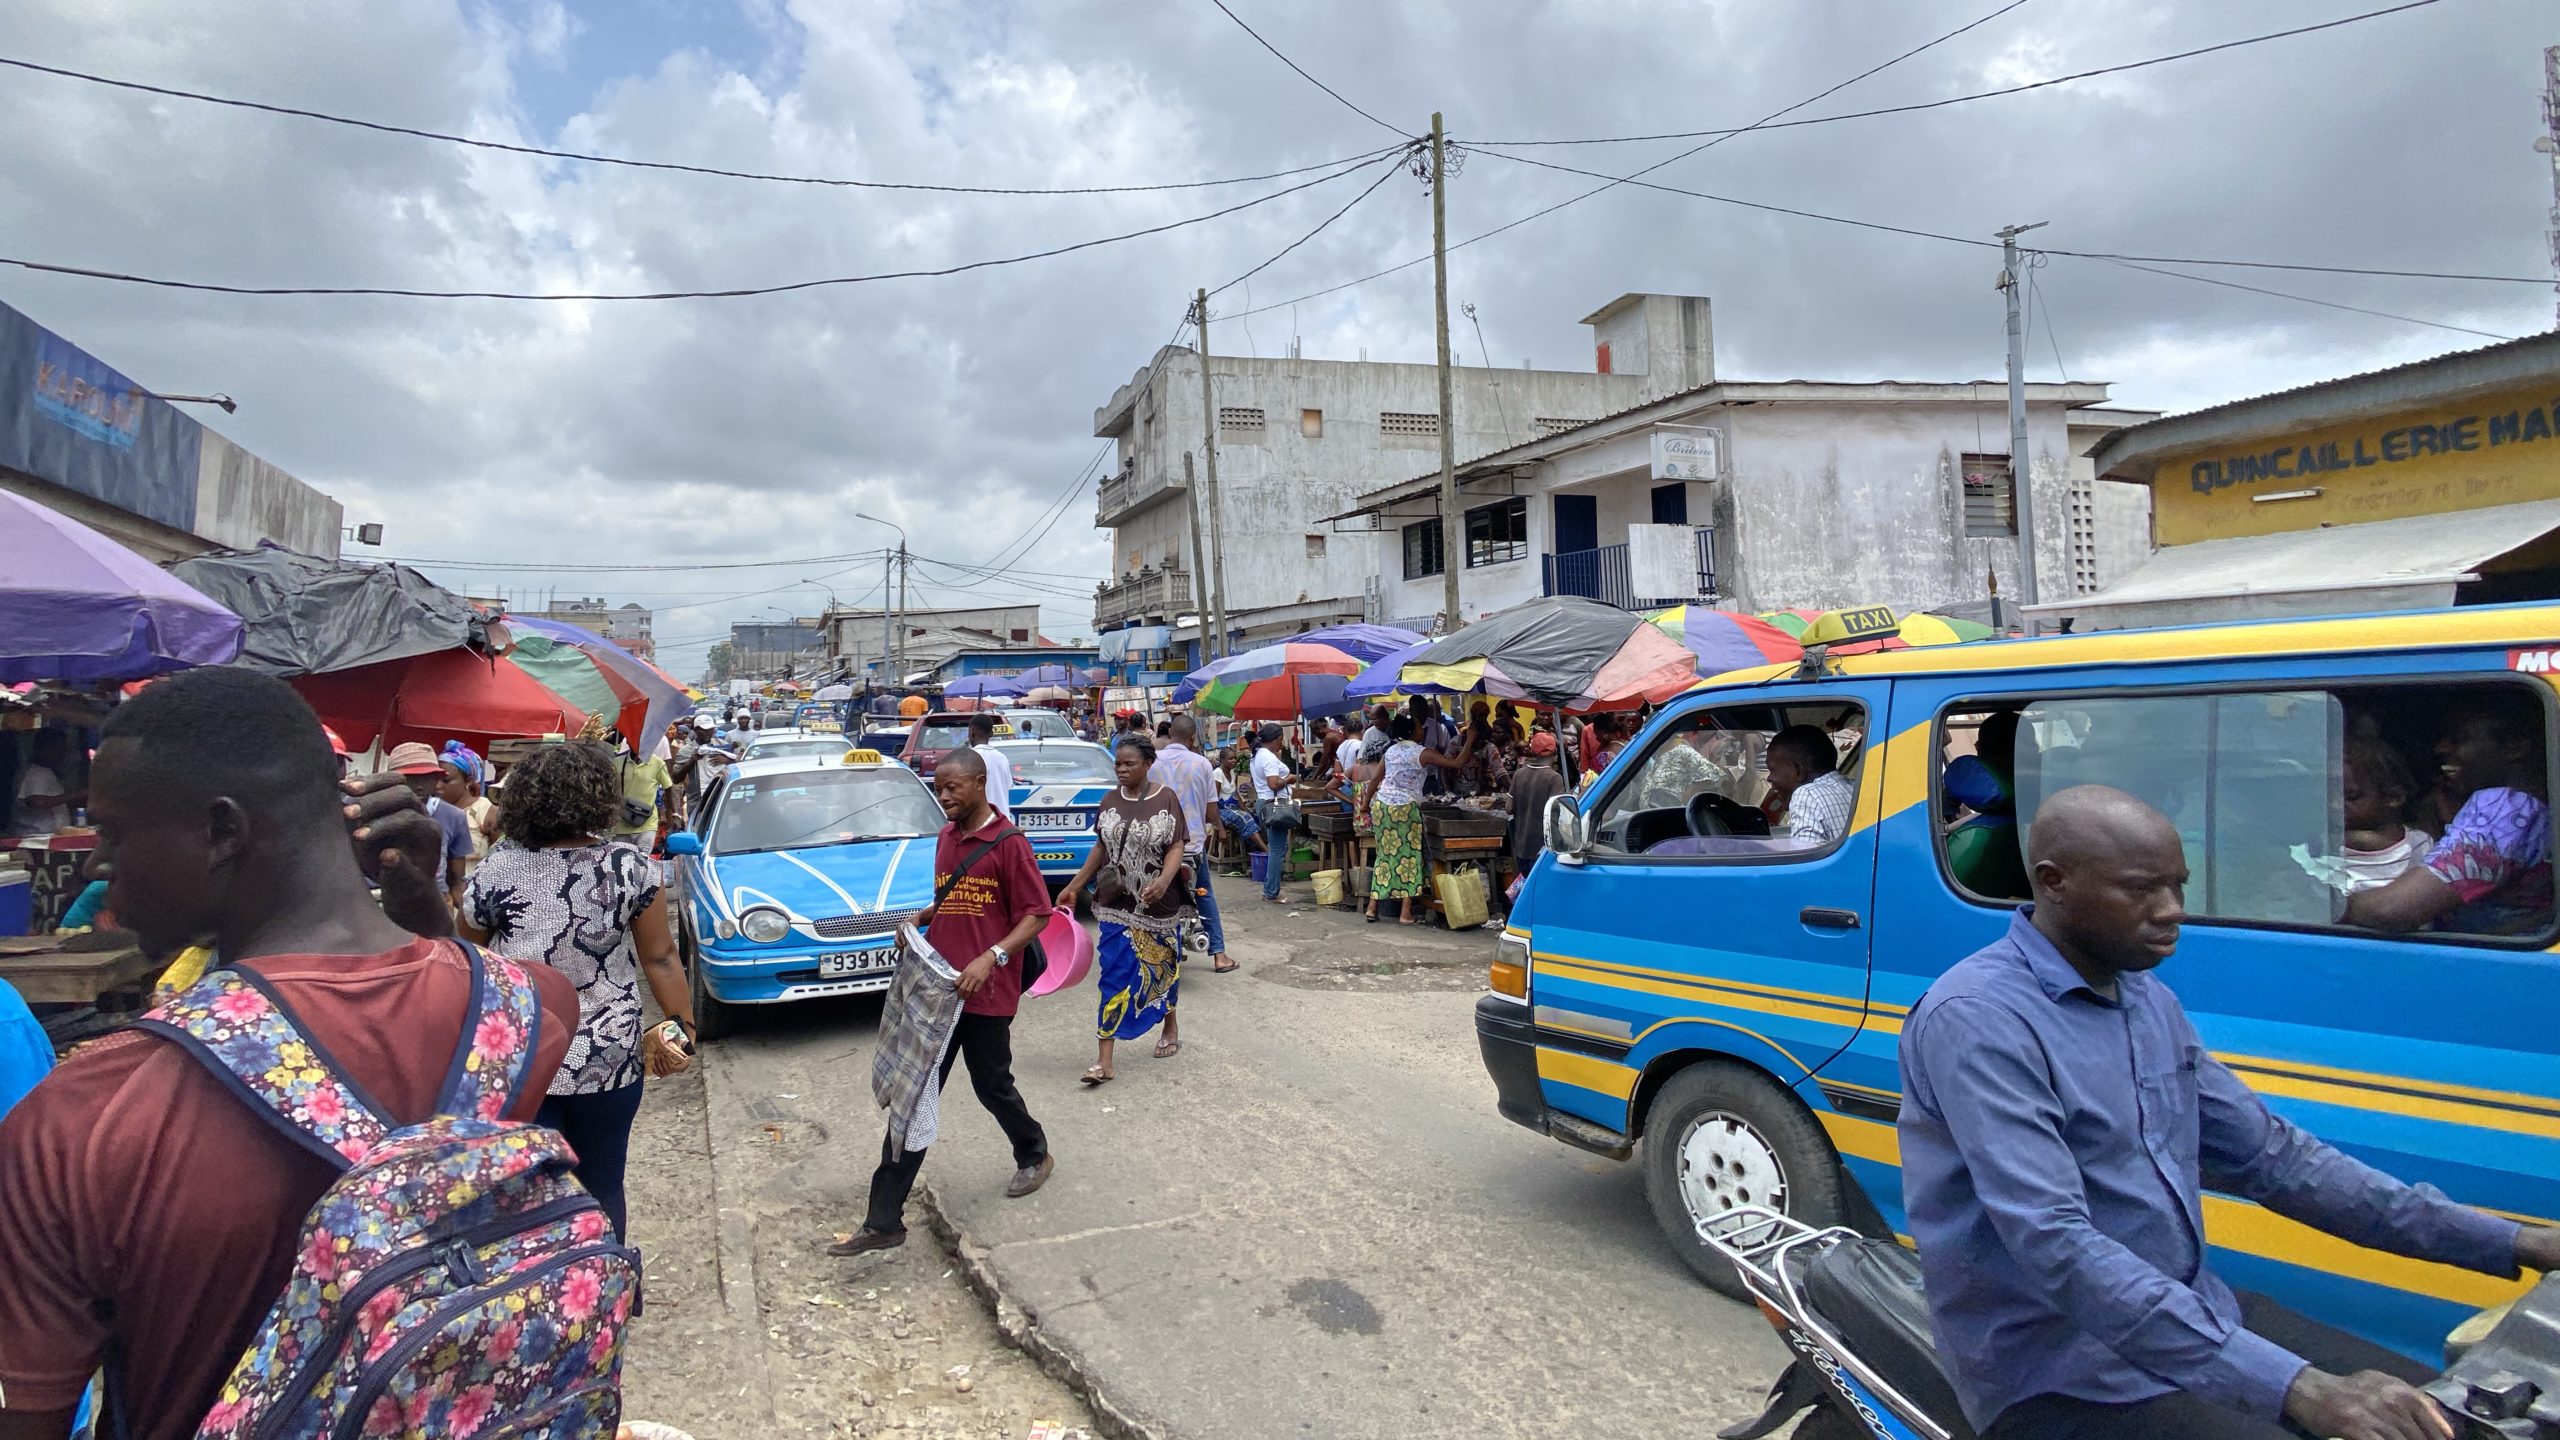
<point>2252,1230</point>
<point>2258,1063</point>
<point>1676,977</point>
<point>1586,1071</point>
<point>1827,1010</point>
<point>2358,1097</point>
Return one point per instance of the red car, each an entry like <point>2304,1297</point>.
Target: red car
<point>937,733</point>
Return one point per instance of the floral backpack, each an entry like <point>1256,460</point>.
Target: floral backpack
<point>455,1280</point>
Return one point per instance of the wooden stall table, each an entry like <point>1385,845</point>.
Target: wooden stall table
<point>47,973</point>
<point>1454,837</point>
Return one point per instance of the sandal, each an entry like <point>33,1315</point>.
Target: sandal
<point>1167,1049</point>
<point>1227,969</point>
<point>1094,1077</point>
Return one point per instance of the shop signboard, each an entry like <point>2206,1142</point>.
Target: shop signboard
<point>70,419</point>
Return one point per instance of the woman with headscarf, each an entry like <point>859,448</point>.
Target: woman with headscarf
<point>1393,802</point>
<point>559,891</point>
<point>463,774</point>
<point>1141,899</point>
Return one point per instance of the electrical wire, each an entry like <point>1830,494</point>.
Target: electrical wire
<point>1383,177</point>
<point>587,158</point>
<point>2309,300</point>
<point>1941,104</point>
<point>164,283</point>
<point>1302,71</point>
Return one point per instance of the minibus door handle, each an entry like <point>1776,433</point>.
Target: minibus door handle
<point>1826,918</point>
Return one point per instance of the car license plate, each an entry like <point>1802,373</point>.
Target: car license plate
<point>856,962</point>
<point>1052,820</point>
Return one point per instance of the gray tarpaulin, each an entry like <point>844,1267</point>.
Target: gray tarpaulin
<point>308,616</point>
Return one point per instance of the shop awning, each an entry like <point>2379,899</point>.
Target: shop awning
<point>2413,563</point>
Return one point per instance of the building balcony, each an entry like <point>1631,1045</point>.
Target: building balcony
<point>1126,493</point>
<point>1604,575</point>
<point>1154,595</point>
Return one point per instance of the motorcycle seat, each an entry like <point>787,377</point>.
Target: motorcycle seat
<point>1868,1293</point>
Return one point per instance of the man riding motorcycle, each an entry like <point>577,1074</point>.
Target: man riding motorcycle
<point>2060,1119</point>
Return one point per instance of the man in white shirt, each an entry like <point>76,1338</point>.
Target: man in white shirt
<point>982,734</point>
<point>1346,757</point>
<point>1804,772</point>
<point>1271,777</point>
<point>41,806</point>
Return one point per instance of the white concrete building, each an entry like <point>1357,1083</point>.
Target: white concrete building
<point>1807,494</point>
<point>1300,440</point>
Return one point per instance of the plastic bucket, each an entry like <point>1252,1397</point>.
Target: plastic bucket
<point>1261,865</point>
<point>17,901</point>
<point>1328,887</point>
<point>1069,947</point>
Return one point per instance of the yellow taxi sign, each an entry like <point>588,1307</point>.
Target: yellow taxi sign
<point>864,757</point>
<point>1867,622</point>
<point>823,727</point>
<point>1003,729</point>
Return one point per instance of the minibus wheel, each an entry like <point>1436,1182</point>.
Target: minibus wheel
<point>1721,1135</point>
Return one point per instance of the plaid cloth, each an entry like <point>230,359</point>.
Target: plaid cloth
<point>1195,787</point>
<point>1818,813</point>
<point>917,1018</point>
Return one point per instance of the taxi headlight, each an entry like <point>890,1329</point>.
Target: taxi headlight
<point>764,924</point>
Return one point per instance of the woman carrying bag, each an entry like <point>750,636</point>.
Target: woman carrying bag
<point>1273,807</point>
<point>1141,898</point>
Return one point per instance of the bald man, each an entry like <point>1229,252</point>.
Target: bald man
<point>2059,1120</point>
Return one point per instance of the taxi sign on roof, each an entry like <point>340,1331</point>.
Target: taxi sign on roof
<point>1834,627</point>
<point>864,757</point>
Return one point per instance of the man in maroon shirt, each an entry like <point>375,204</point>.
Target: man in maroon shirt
<point>145,1212</point>
<point>987,916</point>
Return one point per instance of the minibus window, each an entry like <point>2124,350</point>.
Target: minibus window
<point>1705,787</point>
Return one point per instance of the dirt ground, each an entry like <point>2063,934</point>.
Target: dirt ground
<point>888,1344</point>
<point>1331,949</point>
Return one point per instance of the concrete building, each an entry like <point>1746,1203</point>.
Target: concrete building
<point>2422,485</point>
<point>1013,660</point>
<point>78,437</point>
<point>1301,439</point>
<point>1758,496</point>
<point>778,650</point>
<point>921,640</point>
<point>626,625</point>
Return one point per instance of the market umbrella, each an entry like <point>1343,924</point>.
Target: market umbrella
<point>1383,680</point>
<point>1725,641</point>
<point>75,605</point>
<point>829,693</point>
<point>1368,642</point>
<point>1794,622</point>
<point>983,687</point>
<point>1560,650</point>
<point>1919,628</point>
<point>447,695</point>
<point>1272,682</point>
<point>1054,674</point>
<point>574,662</point>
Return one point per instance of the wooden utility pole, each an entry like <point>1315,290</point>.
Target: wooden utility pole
<point>1199,558</point>
<point>1209,449</point>
<point>1453,525</point>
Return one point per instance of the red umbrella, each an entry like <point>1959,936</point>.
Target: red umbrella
<point>444,695</point>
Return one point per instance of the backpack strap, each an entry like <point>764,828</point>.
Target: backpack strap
<point>241,1030</point>
<point>494,1057</point>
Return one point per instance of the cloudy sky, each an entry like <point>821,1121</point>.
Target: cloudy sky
<point>718,432</point>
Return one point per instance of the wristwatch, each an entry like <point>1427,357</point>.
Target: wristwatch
<point>1002,959</point>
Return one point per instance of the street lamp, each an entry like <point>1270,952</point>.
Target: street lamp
<point>229,405</point>
<point>889,607</point>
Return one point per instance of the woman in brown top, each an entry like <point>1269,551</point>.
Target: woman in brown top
<point>1140,902</point>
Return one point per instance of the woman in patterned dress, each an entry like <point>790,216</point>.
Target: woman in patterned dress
<point>1394,803</point>
<point>1140,905</point>
<point>557,892</point>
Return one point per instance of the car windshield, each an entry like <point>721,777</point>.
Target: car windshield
<point>797,745</point>
<point>942,735</point>
<point>1040,725</point>
<point>822,807</point>
<point>1073,763</point>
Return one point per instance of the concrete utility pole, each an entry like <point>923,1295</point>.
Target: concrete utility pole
<point>1453,525</point>
<point>888,613</point>
<point>905,567</point>
<point>1211,649</point>
<point>2022,485</point>
<point>1199,557</point>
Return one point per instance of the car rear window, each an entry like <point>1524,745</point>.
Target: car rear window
<point>1075,763</point>
<point>943,737</point>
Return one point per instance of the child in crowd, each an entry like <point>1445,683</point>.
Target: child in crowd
<point>2377,790</point>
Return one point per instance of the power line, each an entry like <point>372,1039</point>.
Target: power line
<point>730,294</point>
<point>1383,177</point>
<point>1980,94</point>
<point>627,162</point>
<point>474,564</point>
<point>1302,72</point>
<point>2309,300</point>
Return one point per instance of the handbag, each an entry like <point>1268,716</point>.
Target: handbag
<point>1035,956</point>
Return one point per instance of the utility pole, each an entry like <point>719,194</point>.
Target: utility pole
<point>1199,558</point>
<point>1453,525</point>
<point>1209,449</point>
<point>2021,466</point>
<point>888,616</point>
<point>905,567</point>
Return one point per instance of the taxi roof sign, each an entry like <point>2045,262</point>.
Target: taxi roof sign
<point>1839,627</point>
<point>863,757</point>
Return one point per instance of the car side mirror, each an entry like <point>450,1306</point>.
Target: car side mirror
<point>1568,829</point>
<point>683,842</point>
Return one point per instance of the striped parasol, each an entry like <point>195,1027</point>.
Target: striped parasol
<point>1272,682</point>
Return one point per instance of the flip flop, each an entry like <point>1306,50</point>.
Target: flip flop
<point>1227,969</point>
<point>1094,1078</point>
<point>1167,1049</point>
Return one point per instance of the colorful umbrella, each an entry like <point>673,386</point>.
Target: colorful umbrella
<point>1725,641</point>
<point>1384,679</point>
<point>75,605</point>
<point>983,687</point>
<point>598,676</point>
<point>445,695</point>
<point>1273,682</point>
<point>1917,628</point>
<point>1794,622</point>
<point>1560,650</point>
<point>1366,642</point>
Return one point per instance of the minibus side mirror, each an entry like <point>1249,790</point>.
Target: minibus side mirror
<point>1568,829</point>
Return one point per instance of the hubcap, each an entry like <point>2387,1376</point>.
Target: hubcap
<point>1725,1163</point>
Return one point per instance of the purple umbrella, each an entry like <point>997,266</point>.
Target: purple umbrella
<point>75,605</point>
<point>1368,642</point>
<point>984,687</point>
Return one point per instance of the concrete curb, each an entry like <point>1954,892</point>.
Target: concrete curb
<point>735,1261</point>
<point>1021,1328</point>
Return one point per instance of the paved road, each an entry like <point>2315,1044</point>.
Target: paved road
<point>1311,1221</point>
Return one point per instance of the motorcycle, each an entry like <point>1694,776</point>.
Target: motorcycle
<point>1851,1311</point>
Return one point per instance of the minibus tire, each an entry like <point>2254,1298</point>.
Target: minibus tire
<point>710,1013</point>
<point>1760,1114</point>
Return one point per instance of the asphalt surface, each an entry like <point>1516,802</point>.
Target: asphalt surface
<point>1310,1222</point>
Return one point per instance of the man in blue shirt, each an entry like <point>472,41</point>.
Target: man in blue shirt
<point>2057,1206</point>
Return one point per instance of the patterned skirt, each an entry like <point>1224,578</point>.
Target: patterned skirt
<point>1398,873</point>
<point>1141,976</point>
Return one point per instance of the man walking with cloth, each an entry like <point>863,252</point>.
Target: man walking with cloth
<point>989,901</point>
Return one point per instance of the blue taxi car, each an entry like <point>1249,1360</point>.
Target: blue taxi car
<point>795,877</point>
<point>1058,787</point>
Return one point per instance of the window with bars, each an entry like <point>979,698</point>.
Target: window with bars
<point>1498,532</point>
<point>1990,509</point>
<point>1557,425</point>
<point>1408,422</point>
<point>1422,553</point>
<point>1239,417</point>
